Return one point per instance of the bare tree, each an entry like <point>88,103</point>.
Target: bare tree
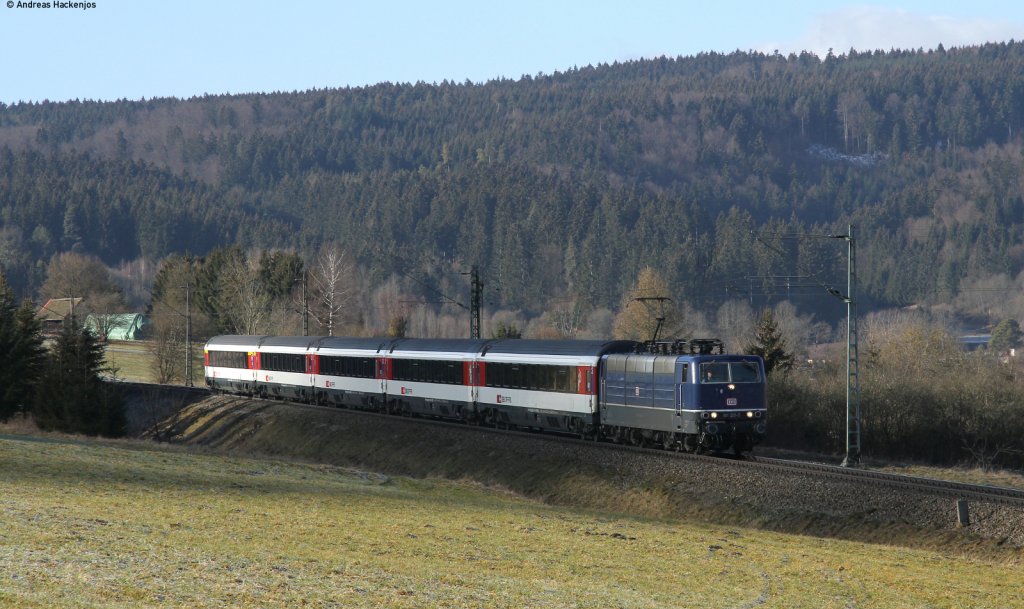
<point>735,321</point>
<point>600,324</point>
<point>389,302</point>
<point>167,345</point>
<point>247,299</point>
<point>332,287</point>
<point>568,319</point>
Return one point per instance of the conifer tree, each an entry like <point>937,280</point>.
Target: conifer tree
<point>770,344</point>
<point>506,330</point>
<point>21,353</point>
<point>1005,336</point>
<point>72,396</point>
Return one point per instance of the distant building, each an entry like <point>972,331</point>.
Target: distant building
<point>55,312</point>
<point>119,326</point>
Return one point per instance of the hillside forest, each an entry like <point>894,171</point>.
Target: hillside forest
<point>724,173</point>
<point>702,190</point>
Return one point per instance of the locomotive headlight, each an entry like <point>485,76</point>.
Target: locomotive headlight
<point>732,387</point>
<point>750,414</point>
<point>714,415</point>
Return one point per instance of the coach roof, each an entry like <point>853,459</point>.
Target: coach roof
<point>343,342</point>
<point>300,342</point>
<point>561,347</point>
<point>447,345</point>
<point>234,340</point>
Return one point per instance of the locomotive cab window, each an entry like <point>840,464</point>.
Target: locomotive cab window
<point>714,372</point>
<point>744,372</point>
<point>729,372</point>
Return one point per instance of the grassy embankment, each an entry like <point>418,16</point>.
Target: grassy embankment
<point>87,523</point>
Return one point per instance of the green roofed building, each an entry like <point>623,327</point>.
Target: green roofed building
<point>118,326</point>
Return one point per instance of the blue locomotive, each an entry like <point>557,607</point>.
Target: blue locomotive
<point>678,396</point>
<point>687,396</point>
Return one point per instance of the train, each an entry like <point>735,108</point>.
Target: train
<point>679,395</point>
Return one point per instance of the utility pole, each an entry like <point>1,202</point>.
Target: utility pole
<point>852,458</point>
<point>188,333</point>
<point>305,306</point>
<point>476,289</point>
<point>853,428</point>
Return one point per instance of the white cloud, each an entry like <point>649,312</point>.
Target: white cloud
<point>866,28</point>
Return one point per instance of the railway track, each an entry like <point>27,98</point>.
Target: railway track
<point>932,486</point>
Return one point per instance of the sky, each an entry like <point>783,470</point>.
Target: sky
<point>135,49</point>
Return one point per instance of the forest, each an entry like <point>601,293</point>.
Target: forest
<point>730,175</point>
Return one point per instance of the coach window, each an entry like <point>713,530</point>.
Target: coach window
<point>541,378</point>
<point>559,378</point>
<point>227,359</point>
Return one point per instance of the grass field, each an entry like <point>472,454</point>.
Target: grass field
<point>134,361</point>
<point>90,524</point>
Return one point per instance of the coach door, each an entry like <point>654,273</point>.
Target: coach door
<point>312,368</point>
<point>383,373</point>
<point>472,375</point>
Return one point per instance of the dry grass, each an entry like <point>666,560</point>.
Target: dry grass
<point>969,475</point>
<point>94,524</point>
